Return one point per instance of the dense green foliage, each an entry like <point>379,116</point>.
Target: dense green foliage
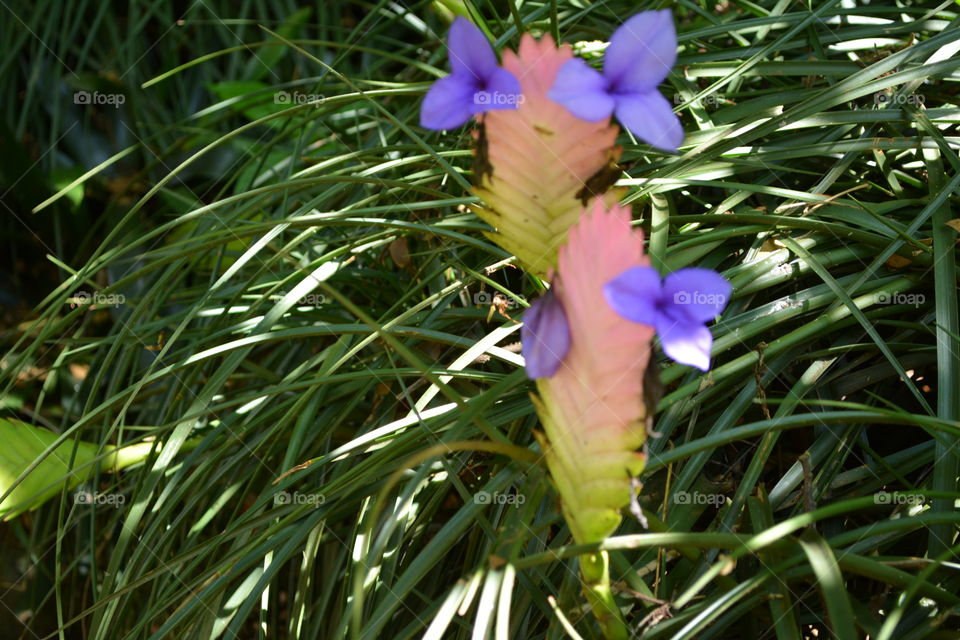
<point>286,287</point>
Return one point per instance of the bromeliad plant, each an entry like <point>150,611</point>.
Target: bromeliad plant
<point>545,160</point>
<point>591,397</point>
<point>537,163</point>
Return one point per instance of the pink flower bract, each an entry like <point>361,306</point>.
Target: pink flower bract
<point>593,409</point>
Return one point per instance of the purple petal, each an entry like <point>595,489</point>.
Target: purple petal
<point>544,337</point>
<point>686,343</point>
<point>448,103</point>
<point>697,294</point>
<point>582,90</point>
<point>502,91</point>
<point>634,294</point>
<point>470,52</point>
<point>650,118</point>
<point>642,51</point>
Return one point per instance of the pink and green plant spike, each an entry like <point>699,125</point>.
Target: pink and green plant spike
<point>542,159</point>
<point>592,409</point>
<point>546,157</point>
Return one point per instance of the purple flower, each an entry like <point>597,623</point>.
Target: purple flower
<point>545,336</point>
<point>678,308</point>
<point>639,57</point>
<point>477,83</point>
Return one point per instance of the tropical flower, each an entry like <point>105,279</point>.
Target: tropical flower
<point>476,84</point>
<point>639,57</point>
<point>545,336</point>
<point>593,409</point>
<point>678,307</point>
<point>543,164</point>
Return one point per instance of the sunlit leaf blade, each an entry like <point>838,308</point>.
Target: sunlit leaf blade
<point>23,447</point>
